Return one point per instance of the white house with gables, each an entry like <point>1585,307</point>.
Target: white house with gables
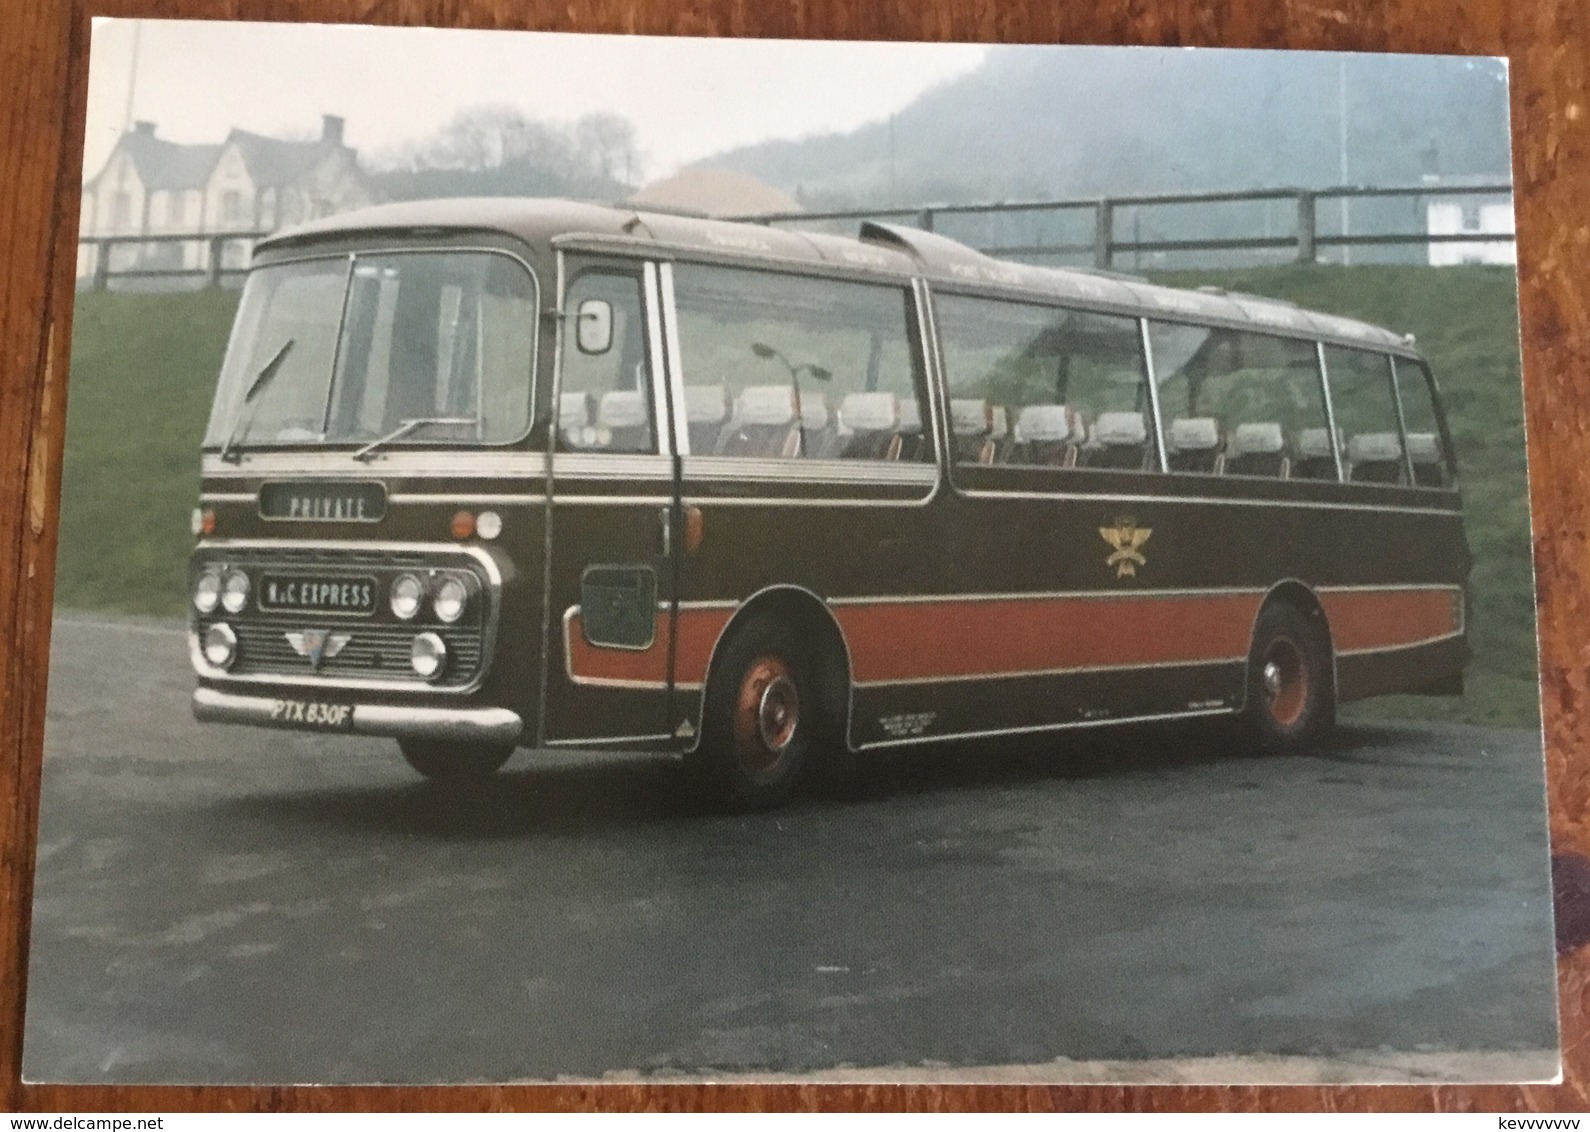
<point>247,184</point>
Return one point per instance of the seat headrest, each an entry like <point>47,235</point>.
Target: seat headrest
<point>1258,437</point>
<point>1120,429</point>
<point>621,408</point>
<point>910,416</point>
<point>1046,424</point>
<point>1315,443</point>
<point>971,417</point>
<point>814,411</point>
<point>1374,447</point>
<point>766,405</point>
<point>706,404</point>
<point>1424,448</point>
<point>574,411</point>
<point>870,412</point>
<point>1193,434</point>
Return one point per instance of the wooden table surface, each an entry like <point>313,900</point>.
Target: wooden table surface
<point>43,75</point>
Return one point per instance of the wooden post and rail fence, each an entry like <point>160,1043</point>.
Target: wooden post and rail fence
<point>1303,242</point>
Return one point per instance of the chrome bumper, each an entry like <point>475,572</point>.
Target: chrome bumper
<point>494,726</point>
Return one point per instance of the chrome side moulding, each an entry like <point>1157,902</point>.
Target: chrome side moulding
<point>496,726</point>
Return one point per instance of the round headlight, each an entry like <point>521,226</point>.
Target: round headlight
<point>428,655</point>
<point>207,592</point>
<point>451,597</point>
<point>488,524</point>
<point>234,592</point>
<point>407,593</point>
<point>220,645</point>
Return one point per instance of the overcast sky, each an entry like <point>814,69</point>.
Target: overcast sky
<point>687,97</point>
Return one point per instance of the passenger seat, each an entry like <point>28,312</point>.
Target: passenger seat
<point>1048,436</point>
<point>622,423</point>
<point>1374,457</point>
<point>1192,444</point>
<point>869,426</point>
<point>912,442</point>
<point>763,424</point>
<point>978,428</point>
<point>1119,440</point>
<point>1258,448</point>
<point>574,421</point>
<point>706,412</point>
<point>1429,469</point>
<point>1315,460</point>
<point>817,437</point>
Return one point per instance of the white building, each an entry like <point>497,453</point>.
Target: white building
<point>248,184</point>
<point>1452,218</point>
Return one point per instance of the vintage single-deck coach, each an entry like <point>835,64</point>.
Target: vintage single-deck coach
<point>502,473</point>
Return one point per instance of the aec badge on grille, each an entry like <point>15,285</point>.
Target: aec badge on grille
<point>316,644</point>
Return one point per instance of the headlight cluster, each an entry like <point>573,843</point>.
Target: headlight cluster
<point>449,597</point>
<point>228,590</point>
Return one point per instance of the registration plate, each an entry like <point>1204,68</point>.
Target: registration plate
<point>312,713</point>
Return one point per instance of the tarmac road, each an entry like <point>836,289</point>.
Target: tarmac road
<point>227,904</point>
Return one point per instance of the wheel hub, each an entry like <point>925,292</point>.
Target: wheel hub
<point>767,714</point>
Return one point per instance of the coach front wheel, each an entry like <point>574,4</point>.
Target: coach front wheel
<point>759,720</point>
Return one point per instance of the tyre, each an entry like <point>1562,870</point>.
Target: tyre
<point>760,719</point>
<point>1291,698</point>
<point>453,763</point>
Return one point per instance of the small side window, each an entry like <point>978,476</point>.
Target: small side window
<point>1432,464</point>
<point>1366,414</point>
<point>605,403</point>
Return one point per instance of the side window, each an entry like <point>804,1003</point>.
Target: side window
<point>1044,386</point>
<point>605,401</point>
<point>1366,414</point>
<point>783,366</point>
<point>1432,463</point>
<point>1236,403</point>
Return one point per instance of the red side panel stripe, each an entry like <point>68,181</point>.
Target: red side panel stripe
<point>937,639</point>
<point>1008,636</point>
<point>1380,619</point>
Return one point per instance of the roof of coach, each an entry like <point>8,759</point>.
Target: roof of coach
<point>880,248</point>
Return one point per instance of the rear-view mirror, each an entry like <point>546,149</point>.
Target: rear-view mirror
<point>593,326</point>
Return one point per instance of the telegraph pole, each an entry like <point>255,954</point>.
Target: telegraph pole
<point>132,77</point>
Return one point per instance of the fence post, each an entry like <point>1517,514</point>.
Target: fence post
<point>925,220</point>
<point>101,264</point>
<point>212,274</point>
<point>1307,227</point>
<point>1103,233</point>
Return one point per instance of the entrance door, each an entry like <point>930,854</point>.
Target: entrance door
<point>610,575</point>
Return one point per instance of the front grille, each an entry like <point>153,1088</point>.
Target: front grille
<point>378,645</point>
<point>373,652</point>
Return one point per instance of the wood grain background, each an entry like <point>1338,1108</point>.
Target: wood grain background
<point>43,74</point>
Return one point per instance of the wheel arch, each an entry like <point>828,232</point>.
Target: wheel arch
<point>1301,596</point>
<point>811,617</point>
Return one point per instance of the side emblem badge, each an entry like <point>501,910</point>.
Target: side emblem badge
<point>1127,538</point>
<point>318,645</point>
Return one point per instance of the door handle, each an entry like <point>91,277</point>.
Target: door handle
<point>665,517</point>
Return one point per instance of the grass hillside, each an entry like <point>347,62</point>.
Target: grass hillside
<point>143,367</point>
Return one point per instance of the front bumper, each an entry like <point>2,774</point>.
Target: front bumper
<point>491,726</point>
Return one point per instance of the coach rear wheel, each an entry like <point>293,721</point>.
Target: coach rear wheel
<point>453,763</point>
<point>1290,703</point>
<point>759,718</point>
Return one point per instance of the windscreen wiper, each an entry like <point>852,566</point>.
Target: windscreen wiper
<point>245,416</point>
<point>403,430</point>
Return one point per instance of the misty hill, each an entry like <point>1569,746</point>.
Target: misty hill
<point>1047,122</point>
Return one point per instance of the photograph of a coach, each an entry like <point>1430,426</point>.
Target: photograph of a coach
<point>493,474</point>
